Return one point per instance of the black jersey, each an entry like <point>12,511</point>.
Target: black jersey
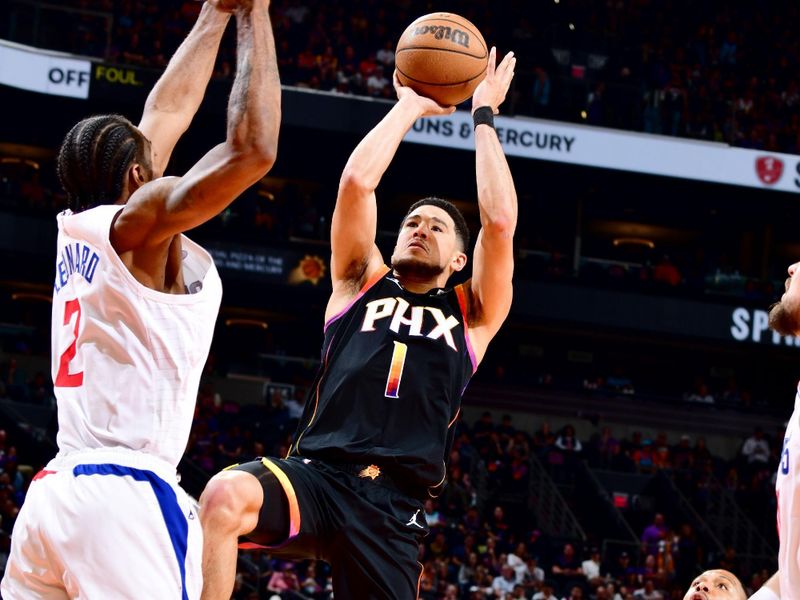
<point>394,367</point>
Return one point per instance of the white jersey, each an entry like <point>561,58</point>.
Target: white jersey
<point>787,488</point>
<point>126,359</point>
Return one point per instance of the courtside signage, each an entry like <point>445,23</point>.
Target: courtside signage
<point>619,150</point>
<point>43,72</point>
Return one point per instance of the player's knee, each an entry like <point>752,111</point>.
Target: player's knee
<point>231,502</point>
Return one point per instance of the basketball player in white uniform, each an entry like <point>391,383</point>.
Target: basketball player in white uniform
<point>784,317</point>
<point>134,307</point>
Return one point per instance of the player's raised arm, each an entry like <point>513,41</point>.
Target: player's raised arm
<point>353,227</point>
<point>176,96</point>
<point>770,590</point>
<point>169,206</point>
<point>493,266</point>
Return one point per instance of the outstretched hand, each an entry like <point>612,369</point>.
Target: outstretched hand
<point>426,106</point>
<point>494,87</point>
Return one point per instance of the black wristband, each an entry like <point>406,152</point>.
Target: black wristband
<point>483,115</point>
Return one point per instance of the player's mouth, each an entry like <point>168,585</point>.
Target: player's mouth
<point>417,244</point>
<point>698,596</point>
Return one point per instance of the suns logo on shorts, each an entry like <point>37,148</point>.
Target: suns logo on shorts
<point>372,471</point>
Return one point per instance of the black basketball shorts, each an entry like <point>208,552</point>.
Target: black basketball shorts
<point>368,531</point>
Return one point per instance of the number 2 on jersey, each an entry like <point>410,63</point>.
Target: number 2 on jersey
<point>396,370</point>
<point>64,378</point>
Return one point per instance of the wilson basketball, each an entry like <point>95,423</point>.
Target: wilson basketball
<point>442,56</point>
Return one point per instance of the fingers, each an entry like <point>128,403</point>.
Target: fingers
<point>508,62</point>
<point>491,66</point>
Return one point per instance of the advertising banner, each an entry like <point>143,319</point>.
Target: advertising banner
<point>619,150</point>
<point>51,73</point>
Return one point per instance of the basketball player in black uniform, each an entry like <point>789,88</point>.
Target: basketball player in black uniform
<point>399,350</point>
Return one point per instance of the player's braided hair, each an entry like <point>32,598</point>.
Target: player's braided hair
<point>462,231</point>
<point>94,159</point>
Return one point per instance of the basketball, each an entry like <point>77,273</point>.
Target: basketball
<point>442,56</point>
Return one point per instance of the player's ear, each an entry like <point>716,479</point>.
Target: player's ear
<point>459,261</point>
<point>136,177</point>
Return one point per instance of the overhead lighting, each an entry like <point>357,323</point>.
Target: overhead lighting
<point>13,160</point>
<point>572,26</point>
<point>633,241</point>
<point>265,194</point>
<point>583,114</point>
<point>257,323</point>
<point>22,296</point>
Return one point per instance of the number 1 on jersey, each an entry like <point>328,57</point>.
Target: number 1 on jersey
<point>396,370</point>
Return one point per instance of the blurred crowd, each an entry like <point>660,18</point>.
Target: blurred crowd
<point>485,540</point>
<point>721,71</point>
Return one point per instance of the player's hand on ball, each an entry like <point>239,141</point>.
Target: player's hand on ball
<point>493,89</point>
<point>426,106</point>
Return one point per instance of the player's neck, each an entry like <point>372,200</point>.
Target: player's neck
<point>421,286</point>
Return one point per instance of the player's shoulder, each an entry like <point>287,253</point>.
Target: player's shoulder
<point>155,189</point>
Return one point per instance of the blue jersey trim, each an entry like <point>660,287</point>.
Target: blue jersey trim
<point>177,525</point>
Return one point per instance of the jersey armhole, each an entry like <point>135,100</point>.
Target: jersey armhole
<point>461,294</point>
<point>379,274</point>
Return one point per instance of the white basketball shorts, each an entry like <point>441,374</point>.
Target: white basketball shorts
<point>105,524</point>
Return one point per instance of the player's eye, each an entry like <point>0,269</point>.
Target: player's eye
<point>436,228</point>
<point>723,586</point>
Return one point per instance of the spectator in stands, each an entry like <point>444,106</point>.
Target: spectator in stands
<point>533,575</point>
<point>377,83</point>
<point>467,571</point>
<point>701,452</point>
<point>575,593</point>
<point>611,592</point>
<point>547,591</point>
<point>517,560</point>
<point>648,592</point>
<point>567,440</point>
<point>432,515</point>
<point>541,93</point>
<point>621,568</point>
<point>504,583</point>
<point>284,582</point>
<point>591,569</point>
<point>755,450</point>
<point>682,454</point>
<point>653,534</point>
<point>700,394</point>
<point>566,568</point>
<point>544,438</point>
<point>728,561</point>
<point>310,586</point>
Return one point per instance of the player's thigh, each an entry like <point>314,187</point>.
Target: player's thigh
<point>376,561</point>
<point>271,524</point>
<point>370,571</point>
<point>138,539</point>
<point>31,571</point>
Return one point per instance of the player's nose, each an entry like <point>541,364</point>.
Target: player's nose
<point>793,268</point>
